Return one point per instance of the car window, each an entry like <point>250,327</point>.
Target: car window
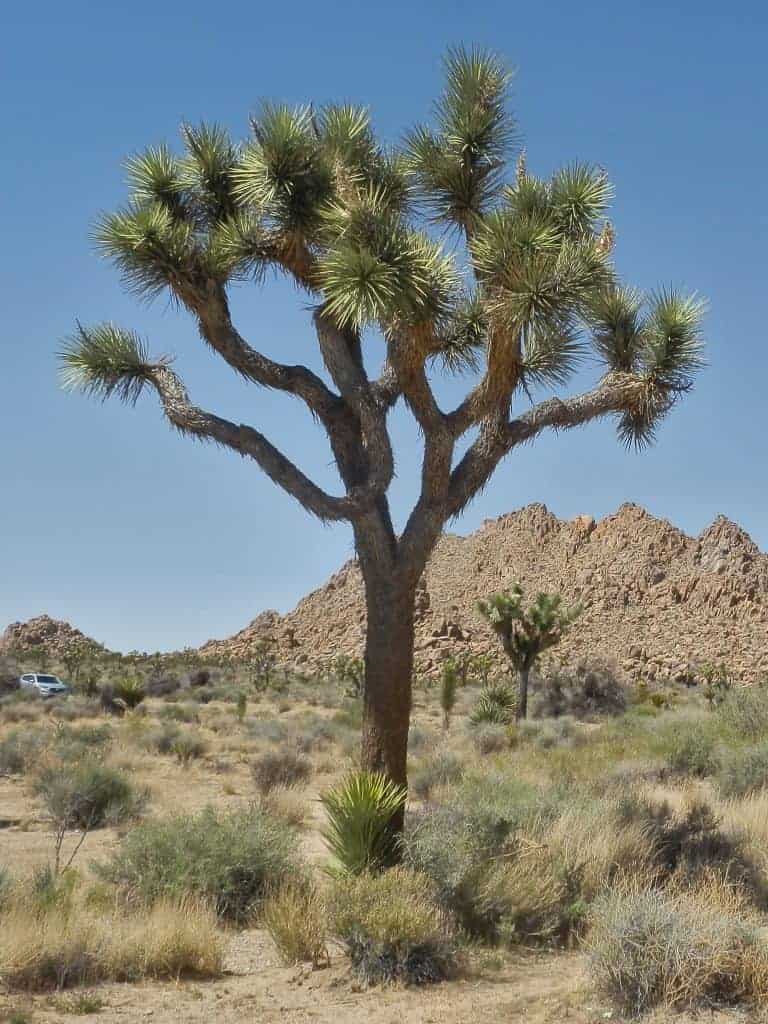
<point>47,679</point>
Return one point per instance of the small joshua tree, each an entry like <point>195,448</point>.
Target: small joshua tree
<point>448,684</point>
<point>525,633</point>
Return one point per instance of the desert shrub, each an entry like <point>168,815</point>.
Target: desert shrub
<point>295,917</point>
<point>443,768</point>
<point>280,768</point>
<point>287,804</point>
<point>745,712</point>
<point>651,948</point>
<point>70,709</point>
<point>88,794</point>
<point>528,900</point>
<point>744,771</point>
<point>266,730</point>
<point>55,950</point>
<point>316,734</point>
<point>19,752</point>
<point>203,694</point>
<point>490,739</point>
<point>188,746</point>
<point>162,686</point>
<point>694,752</point>
<point>548,734</point>
<point>159,739</point>
<point>232,859</point>
<point>109,702</point>
<point>690,842</point>
<point>495,705</point>
<point>200,678</point>
<point>392,928</point>
<point>360,811</point>
<point>186,712</point>
<point>6,888</point>
<point>454,843</point>
<point>588,689</point>
<point>72,744</point>
<point>9,675</point>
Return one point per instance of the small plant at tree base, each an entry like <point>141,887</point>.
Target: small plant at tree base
<point>130,691</point>
<point>360,813</point>
<point>496,705</point>
<point>449,682</point>
<point>525,633</point>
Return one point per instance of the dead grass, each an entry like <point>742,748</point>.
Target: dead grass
<point>296,919</point>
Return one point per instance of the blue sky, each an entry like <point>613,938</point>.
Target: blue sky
<point>144,539</point>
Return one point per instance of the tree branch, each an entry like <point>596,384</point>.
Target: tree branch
<point>616,393</point>
<point>190,419</point>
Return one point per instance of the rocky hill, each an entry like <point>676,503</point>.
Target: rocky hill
<point>658,601</point>
<point>53,635</point>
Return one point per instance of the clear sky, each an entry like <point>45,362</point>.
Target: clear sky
<point>144,539</point>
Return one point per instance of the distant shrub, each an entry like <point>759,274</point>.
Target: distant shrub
<point>199,678</point>
<point>186,712</point>
<point>88,794</point>
<point>495,705</point>
<point>745,712</point>
<point>162,686</point>
<point>440,769</point>
<point>188,746</point>
<point>745,771</point>
<point>234,860</point>
<point>280,768</point>
<point>19,752</point>
<point>73,744</point>
<point>295,917</point>
<point>159,738</point>
<point>694,752</point>
<point>392,928</point>
<point>109,702</point>
<point>360,812</point>
<point>588,689</point>
<point>489,738</point>
<point>649,948</point>
<point>549,733</point>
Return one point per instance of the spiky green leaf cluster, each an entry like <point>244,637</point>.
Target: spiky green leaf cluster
<point>659,341</point>
<point>457,167</point>
<point>105,360</point>
<point>360,810</point>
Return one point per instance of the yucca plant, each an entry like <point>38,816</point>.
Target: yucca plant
<point>495,705</point>
<point>449,681</point>
<point>438,255</point>
<point>130,691</point>
<point>360,812</point>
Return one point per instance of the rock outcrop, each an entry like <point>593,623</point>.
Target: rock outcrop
<point>658,601</point>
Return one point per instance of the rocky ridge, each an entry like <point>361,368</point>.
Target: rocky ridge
<point>658,601</point>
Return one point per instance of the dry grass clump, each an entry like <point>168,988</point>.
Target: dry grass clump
<point>680,949</point>
<point>61,947</point>
<point>393,928</point>
<point>286,804</point>
<point>296,919</point>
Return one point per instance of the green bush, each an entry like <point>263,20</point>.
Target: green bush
<point>392,928</point>
<point>495,705</point>
<point>491,739</point>
<point>88,794</point>
<point>694,752</point>
<point>442,768</point>
<point>19,752</point>
<point>745,771</point>
<point>188,746</point>
<point>360,811</point>
<point>280,768</point>
<point>745,712</point>
<point>234,860</point>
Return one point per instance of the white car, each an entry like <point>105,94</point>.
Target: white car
<point>46,685</point>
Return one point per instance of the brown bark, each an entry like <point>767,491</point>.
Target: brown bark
<point>522,700</point>
<point>388,676</point>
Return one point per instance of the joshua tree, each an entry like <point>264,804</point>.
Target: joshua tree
<point>525,633</point>
<point>515,290</point>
